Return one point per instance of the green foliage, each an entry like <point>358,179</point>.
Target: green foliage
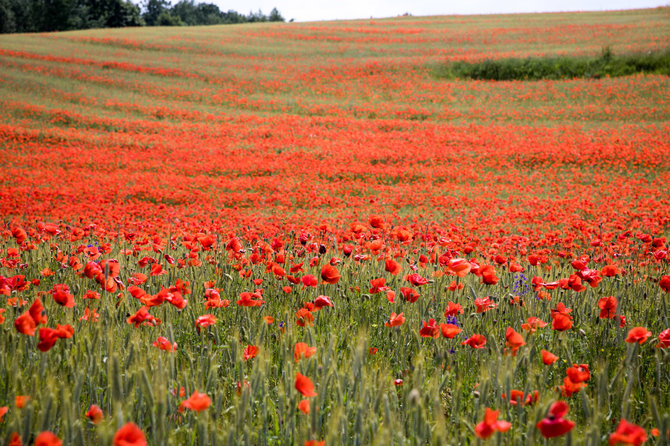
<point>559,67</point>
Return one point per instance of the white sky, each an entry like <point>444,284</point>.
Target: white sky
<point>305,10</point>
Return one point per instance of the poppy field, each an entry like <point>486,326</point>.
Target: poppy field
<point>297,233</point>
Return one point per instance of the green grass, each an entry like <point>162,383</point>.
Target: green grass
<point>559,67</point>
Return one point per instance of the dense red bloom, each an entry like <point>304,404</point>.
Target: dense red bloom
<point>196,402</point>
<point>560,318</point>
<point>250,352</point>
<point>303,406</point>
<point>548,358</point>
<point>460,267</point>
<point>330,274</point>
<point>449,330</point>
<point>49,336</point>
<point>378,285</point>
<point>475,341</point>
<point>61,294</point>
<point>164,344</point>
<point>303,350</point>
<point>416,279</point>
<point>607,307</point>
<point>628,433</point>
<point>491,424</point>
<point>484,304</point>
<point>532,324</point>
<point>395,320</point>
<point>578,373</point>
<point>664,339</point>
<point>409,294</point>
<point>15,440</point>
<point>305,317</point>
<point>304,385</point>
<point>518,397</point>
<point>94,414</point>
<point>321,302</point>
<point>638,335</point>
<point>610,271</point>
<point>664,283</point>
<point>488,274</point>
<point>391,266</point>
<point>25,324</point>
<point>205,321</point>
<point>429,330</point>
<point>47,439</point>
<point>514,339</point>
<point>142,316</point>
<point>248,299</point>
<point>554,425</point>
<point>309,280</point>
<point>453,309</point>
<point>130,435</point>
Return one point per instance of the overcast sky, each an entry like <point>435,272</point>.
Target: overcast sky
<point>306,10</point>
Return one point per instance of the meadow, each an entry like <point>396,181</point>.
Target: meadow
<point>299,233</point>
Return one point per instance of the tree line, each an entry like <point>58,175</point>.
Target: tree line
<point>26,16</point>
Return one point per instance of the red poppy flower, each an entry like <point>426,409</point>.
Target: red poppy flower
<point>475,341</point>
<point>395,320</point>
<point>449,330</point>
<point>392,266</point>
<point>61,295</point>
<point>548,358</point>
<point>142,316</point>
<point>164,344</point>
<point>303,406</point>
<point>578,373</point>
<point>491,424</point>
<point>248,299</point>
<point>205,321</point>
<point>664,283</point>
<point>303,350</point>
<point>38,313</point>
<point>47,439</point>
<point>460,267</point>
<point>309,280</point>
<point>429,330</point>
<point>638,335</point>
<point>554,425</point>
<point>484,304</point>
<point>561,320</point>
<point>607,307</point>
<point>94,414</point>
<point>532,324</point>
<point>628,433</point>
<point>409,294</point>
<point>664,339</point>
<point>196,402</point>
<point>315,443</point>
<point>21,400</point>
<point>518,397</point>
<point>416,279</point>
<point>453,309</point>
<point>488,274</point>
<point>304,385</point>
<point>130,435</point>
<point>15,440</point>
<point>250,352</point>
<point>514,339</point>
<point>25,324</point>
<point>49,336</point>
<point>322,301</point>
<point>305,317</point>
<point>378,285</point>
<point>330,274</point>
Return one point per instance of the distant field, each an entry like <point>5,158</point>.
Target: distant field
<point>163,167</point>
